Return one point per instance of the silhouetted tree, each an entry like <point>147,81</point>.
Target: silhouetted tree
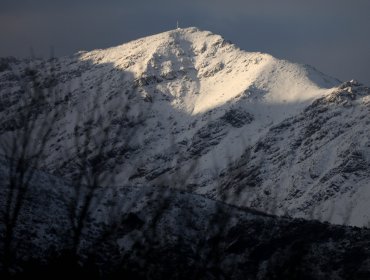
<point>93,159</point>
<point>24,132</point>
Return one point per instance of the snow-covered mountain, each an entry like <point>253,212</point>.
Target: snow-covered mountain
<point>239,126</point>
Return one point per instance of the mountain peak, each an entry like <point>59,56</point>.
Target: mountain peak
<point>212,70</point>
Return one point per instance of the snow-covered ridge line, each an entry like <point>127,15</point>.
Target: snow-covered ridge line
<point>210,61</point>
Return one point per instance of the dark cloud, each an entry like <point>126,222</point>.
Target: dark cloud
<point>330,35</point>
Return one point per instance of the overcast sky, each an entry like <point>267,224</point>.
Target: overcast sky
<point>331,35</point>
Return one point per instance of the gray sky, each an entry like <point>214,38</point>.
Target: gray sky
<point>331,35</point>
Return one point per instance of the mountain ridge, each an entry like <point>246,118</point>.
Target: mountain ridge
<point>194,99</point>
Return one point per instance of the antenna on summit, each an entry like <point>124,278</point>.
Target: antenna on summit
<point>177,25</point>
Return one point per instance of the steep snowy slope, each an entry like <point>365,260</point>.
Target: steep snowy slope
<point>187,103</point>
<point>315,164</point>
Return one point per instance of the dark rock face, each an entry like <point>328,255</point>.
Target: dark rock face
<point>237,118</point>
<point>214,131</point>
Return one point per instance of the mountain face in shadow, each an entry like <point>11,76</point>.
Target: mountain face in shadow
<point>164,233</point>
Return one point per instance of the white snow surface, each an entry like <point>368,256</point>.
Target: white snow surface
<point>217,71</point>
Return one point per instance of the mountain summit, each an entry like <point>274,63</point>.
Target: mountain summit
<point>217,71</point>
<point>277,136</point>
